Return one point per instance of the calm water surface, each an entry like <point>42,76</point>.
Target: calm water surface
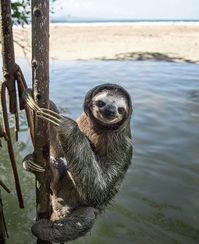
<point>159,198</point>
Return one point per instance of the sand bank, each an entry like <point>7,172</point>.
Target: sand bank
<point>123,42</point>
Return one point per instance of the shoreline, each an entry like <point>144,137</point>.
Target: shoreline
<point>160,41</point>
<point>121,23</point>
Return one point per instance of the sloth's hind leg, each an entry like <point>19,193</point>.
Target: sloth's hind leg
<point>69,228</point>
<point>58,168</point>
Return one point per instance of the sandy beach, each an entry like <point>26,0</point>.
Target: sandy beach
<point>170,42</point>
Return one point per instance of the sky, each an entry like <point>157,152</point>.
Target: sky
<point>133,9</point>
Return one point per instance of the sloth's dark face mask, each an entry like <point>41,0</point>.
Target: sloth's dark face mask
<point>109,108</point>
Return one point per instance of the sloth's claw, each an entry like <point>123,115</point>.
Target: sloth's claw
<point>29,165</point>
<point>36,167</point>
<point>43,113</point>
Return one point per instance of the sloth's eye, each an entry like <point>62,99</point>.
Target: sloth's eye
<point>100,103</point>
<point>121,110</point>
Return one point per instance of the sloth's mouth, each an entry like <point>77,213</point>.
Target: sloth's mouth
<point>109,116</point>
<point>107,119</point>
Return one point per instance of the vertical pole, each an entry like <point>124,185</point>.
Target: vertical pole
<point>40,75</point>
<point>9,66</point>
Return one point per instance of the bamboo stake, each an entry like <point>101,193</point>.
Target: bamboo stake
<point>40,75</point>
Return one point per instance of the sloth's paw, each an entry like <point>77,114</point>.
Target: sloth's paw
<point>29,165</point>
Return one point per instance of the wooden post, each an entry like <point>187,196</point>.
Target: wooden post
<point>9,66</point>
<point>40,75</point>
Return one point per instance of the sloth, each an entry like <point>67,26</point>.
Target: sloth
<point>89,159</point>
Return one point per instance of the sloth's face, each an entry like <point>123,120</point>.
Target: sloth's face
<point>109,108</point>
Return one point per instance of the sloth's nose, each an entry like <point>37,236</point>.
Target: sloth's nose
<point>110,111</point>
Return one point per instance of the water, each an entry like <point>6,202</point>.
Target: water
<point>158,201</point>
<point>93,23</point>
<point>74,21</point>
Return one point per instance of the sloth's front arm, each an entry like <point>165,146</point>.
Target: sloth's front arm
<point>95,184</point>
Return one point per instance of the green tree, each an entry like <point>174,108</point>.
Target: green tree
<point>21,11</point>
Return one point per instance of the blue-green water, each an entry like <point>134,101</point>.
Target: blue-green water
<point>159,198</point>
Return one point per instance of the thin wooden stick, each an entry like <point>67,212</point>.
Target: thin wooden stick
<point>16,125</point>
<point>22,87</point>
<point>2,184</point>
<point>9,145</point>
<point>3,228</point>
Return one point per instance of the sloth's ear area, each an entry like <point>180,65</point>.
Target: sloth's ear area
<point>87,101</point>
<point>89,96</point>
